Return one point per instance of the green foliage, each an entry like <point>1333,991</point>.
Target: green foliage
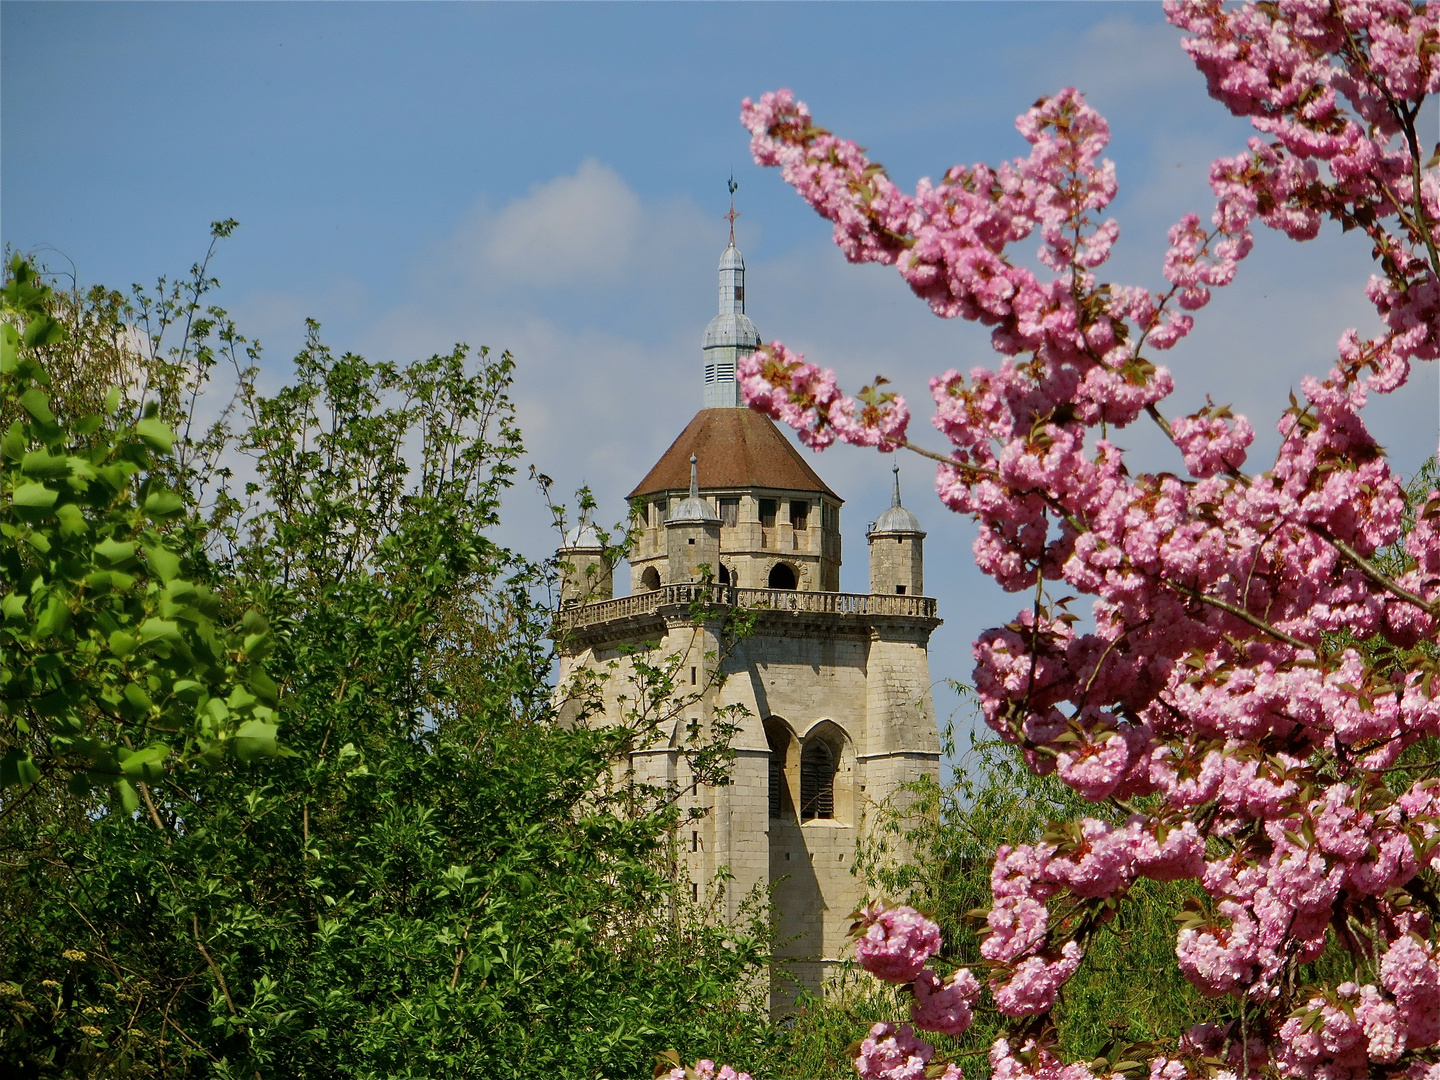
<point>434,884</point>
<point>114,655</point>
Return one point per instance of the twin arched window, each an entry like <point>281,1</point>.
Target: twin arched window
<point>818,765</point>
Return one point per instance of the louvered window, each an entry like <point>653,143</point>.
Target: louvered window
<point>817,781</point>
<point>779,742</point>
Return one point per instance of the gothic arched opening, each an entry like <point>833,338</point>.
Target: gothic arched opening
<point>817,780</point>
<point>725,578</point>
<point>650,579</point>
<point>782,576</point>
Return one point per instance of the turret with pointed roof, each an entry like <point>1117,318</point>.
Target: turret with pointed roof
<point>897,552</point>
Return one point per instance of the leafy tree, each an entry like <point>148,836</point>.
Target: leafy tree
<point>434,883</point>
<point>113,652</point>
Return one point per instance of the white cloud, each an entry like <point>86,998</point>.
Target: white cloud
<point>1119,59</point>
<point>577,229</point>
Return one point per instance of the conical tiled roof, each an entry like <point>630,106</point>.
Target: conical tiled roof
<point>736,448</point>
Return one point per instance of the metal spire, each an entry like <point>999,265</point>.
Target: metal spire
<point>733,214</point>
<point>695,478</point>
<point>895,498</point>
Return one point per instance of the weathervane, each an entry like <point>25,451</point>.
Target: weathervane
<point>733,214</point>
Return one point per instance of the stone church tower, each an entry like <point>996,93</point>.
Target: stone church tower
<point>834,687</point>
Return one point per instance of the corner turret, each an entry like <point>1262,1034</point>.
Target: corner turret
<point>692,535</point>
<point>588,577</point>
<point>897,549</point>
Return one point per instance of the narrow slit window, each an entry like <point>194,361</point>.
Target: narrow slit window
<point>776,738</point>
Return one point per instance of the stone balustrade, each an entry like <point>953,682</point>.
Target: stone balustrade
<point>833,603</point>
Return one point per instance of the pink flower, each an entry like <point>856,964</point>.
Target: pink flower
<point>894,943</point>
<point>705,1069</point>
<point>944,1007</point>
<point>1034,982</point>
<point>888,1053</point>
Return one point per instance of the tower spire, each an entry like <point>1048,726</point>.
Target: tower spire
<point>730,334</point>
<point>694,477</point>
<point>733,214</point>
<point>895,498</point>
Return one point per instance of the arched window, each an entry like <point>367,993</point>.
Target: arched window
<point>817,780</point>
<point>778,737</point>
<point>650,579</point>
<point>782,577</point>
<point>725,578</point>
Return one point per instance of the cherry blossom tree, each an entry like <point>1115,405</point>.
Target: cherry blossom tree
<point>1263,650</point>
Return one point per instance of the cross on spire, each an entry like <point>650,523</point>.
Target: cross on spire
<point>733,214</point>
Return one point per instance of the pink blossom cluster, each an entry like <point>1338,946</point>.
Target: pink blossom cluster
<point>944,1006</point>
<point>779,381</point>
<point>896,1053</point>
<point>893,943</point>
<point>705,1069</point>
<point>1034,1061</point>
<point>1260,653</point>
<point>1332,86</point>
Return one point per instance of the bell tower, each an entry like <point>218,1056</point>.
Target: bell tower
<point>831,689</point>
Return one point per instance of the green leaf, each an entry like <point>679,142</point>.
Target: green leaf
<point>114,553</point>
<point>72,520</point>
<point>160,505</point>
<point>9,343</point>
<point>53,619</point>
<point>156,434</point>
<point>129,800</point>
<point>158,630</point>
<point>112,401</point>
<point>78,785</point>
<point>137,697</point>
<point>108,580</point>
<point>34,402</point>
<point>34,497</point>
<point>164,562</point>
<point>42,465</point>
<point>12,446</point>
<point>255,739</point>
<point>146,764</point>
<point>43,330</point>
<point>263,685</point>
<point>18,769</point>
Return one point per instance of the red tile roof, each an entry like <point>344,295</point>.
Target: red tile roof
<point>734,448</point>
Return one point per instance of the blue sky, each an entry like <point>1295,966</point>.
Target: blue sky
<point>550,178</point>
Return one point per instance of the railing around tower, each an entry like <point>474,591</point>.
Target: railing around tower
<point>829,603</point>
